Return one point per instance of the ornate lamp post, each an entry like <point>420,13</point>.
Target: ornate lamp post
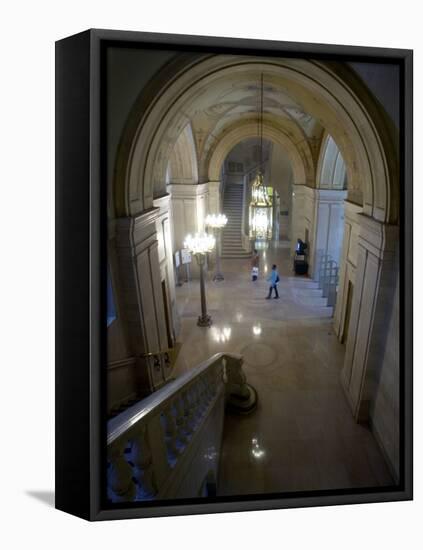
<point>217,222</point>
<point>200,245</point>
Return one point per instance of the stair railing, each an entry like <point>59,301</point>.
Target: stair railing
<point>166,445</point>
<point>327,276</point>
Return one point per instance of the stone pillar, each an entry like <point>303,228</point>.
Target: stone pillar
<point>215,200</point>
<point>189,210</point>
<point>164,228</point>
<point>137,250</point>
<point>371,308</point>
<point>347,267</point>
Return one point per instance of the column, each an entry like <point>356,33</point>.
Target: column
<point>215,202</point>
<point>371,310</point>
<point>189,205</point>
<point>137,249</point>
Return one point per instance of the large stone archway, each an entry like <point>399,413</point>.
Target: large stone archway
<point>301,161</point>
<point>317,88</point>
<point>345,111</point>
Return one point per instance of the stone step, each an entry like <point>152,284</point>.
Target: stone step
<point>240,256</point>
<point>307,291</point>
<point>313,301</point>
<point>323,311</point>
<point>302,282</point>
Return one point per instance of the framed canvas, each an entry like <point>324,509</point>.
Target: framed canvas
<point>233,276</point>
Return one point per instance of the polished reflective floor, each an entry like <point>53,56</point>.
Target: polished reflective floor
<point>302,435</point>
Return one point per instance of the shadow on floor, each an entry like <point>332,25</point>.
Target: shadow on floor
<point>46,497</point>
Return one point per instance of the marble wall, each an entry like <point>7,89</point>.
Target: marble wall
<point>384,409</point>
<point>144,267</point>
<point>367,322</point>
<point>189,205</point>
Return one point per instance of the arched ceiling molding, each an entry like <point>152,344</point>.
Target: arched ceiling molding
<point>330,173</point>
<point>232,137</point>
<point>144,110</point>
<point>338,176</point>
<point>289,134</point>
<point>315,86</point>
<point>183,165</point>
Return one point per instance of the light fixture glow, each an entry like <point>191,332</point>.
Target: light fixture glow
<point>257,451</point>
<point>257,329</point>
<point>200,243</point>
<point>216,221</point>
<point>261,208</point>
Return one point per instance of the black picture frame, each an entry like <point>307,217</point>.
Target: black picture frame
<point>81,274</point>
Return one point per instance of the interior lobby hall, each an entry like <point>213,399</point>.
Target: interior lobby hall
<point>302,435</point>
<point>219,167</point>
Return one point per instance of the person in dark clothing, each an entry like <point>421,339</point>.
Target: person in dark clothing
<point>274,280</point>
<point>301,247</point>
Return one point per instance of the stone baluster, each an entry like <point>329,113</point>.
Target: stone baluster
<point>187,414</point>
<point>212,382</point>
<point>181,421</point>
<point>189,397</point>
<point>140,457</point>
<point>209,384</point>
<point>197,404</point>
<point>202,402</point>
<point>170,429</point>
<point>120,484</point>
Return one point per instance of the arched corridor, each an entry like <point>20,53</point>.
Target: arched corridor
<point>306,435</point>
<point>323,359</point>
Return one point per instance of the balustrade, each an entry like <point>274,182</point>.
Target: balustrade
<point>149,443</point>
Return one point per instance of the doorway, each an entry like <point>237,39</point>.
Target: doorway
<point>167,316</point>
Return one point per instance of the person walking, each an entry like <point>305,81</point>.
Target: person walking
<point>255,265</point>
<point>274,280</point>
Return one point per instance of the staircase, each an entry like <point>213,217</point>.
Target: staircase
<point>168,444</point>
<point>231,234</point>
<point>307,292</point>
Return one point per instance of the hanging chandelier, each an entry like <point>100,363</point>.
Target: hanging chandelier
<point>261,207</point>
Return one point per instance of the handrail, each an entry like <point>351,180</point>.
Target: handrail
<point>119,424</point>
<point>153,444</point>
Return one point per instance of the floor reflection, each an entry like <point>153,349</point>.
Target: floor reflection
<point>302,435</point>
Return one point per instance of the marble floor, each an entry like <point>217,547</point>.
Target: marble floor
<point>302,435</point>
